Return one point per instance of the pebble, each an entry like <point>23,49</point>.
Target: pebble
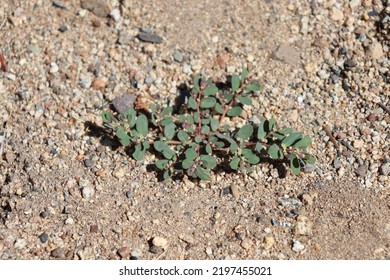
<point>223,59</point>
<point>150,38</point>
<point>246,243</point>
<point>43,237</point>
<point>98,84</point>
<point>121,103</point>
<point>234,191</point>
<point>376,50</point>
<point>303,226</point>
<point>292,202</point>
<point>59,4</point>
<point>287,54</point>
<point>354,3</point>
<point>187,68</point>
<point>94,228</point>
<point>160,242</point>
<point>20,243</point>
<point>337,15</point>
<point>119,173</point>
<point>298,246</point>
<point>124,252</point>
<point>88,162</point>
<point>384,169</point>
<point>57,253</point>
<point>209,251</point>
<point>269,241</point>
<point>177,56</point>
<point>34,49</point>
<point>64,28</point>
<point>129,194</point>
<point>69,221</point>
<point>361,171</point>
<point>87,192</point>
<point>156,250</point>
<point>115,14</point>
<point>307,199</point>
<point>43,214</point>
<point>85,82</point>
<point>101,8</point>
<point>358,144</point>
<point>148,80</point>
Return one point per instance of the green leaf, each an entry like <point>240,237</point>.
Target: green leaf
<point>202,174</point>
<point>191,154</point>
<point>168,153</point>
<point>233,147</point>
<point>214,124</point>
<point>166,121</point>
<point>253,87</point>
<point>142,125</point>
<point>291,139</point>
<point>273,151</point>
<point>205,129</point>
<point>250,156</point>
<point>261,132</point>
<point>259,147</point>
<point>303,143</point>
<point>167,111</point>
<point>234,163</point>
<point>244,100</point>
<point>138,153</point>
<point>245,132</point>
<point>206,121</point>
<point>196,83</point>
<point>107,117</point>
<point>294,165</point>
<point>219,144</point>
<point>196,117</point>
<point>183,136</point>
<point>192,103</point>
<point>210,90</point>
<point>124,138</point>
<point>208,149</point>
<point>208,102</point>
<point>244,74</point>
<point>309,159</point>
<point>167,175</point>
<point>234,112</point>
<point>235,82</point>
<point>208,161</point>
<point>169,131</point>
<point>218,108</point>
<point>130,114</point>
<point>228,97</point>
<point>286,131</point>
<point>162,163</point>
<point>187,163</point>
<point>198,139</point>
<point>159,145</point>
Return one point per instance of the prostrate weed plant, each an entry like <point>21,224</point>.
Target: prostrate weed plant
<point>199,139</point>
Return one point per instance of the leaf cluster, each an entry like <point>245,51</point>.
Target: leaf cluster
<point>198,140</point>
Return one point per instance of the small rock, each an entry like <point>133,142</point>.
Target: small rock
<point>43,214</point>
<point>384,169</point>
<point>187,238</point>
<point>177,56</point>
<point>376,50</point>
<point>187,68</point>
<point>69,221</point>
<point>246,243</point>
<point>64,28</point>
<point>297,246</point>
<point>307,199</point>
<point>275,222</point>
<point>156,250</point>
<point>98,84</point>
<point>361,170</point>
<point>303,226</point>
<point>287,54</point>
<point>43,237</point>
<point>337,15</point>
<point>123,252</point>
<point>358,144</point>
<point>59,4</point>
<point>115,14</point>
<point>148,80</point>
<point>129,194</point>
<point>269,241</point>
<point>93,228</point>
<point>336,163</point>
<point>354,3</point>
<point>119,173</point>
<point>57,253</point>
<point>53,68</point>
<point>234,191</point>
<point>87,192</point>
<point>150,38</point>
<point>20,243</point>
<point>222,59</point>
<point>209,251</point>
<point>121,103</point>
<point>88,162</point>
<point>101,8</point>
<point>125,37</point>
<point>85,82</point>
<point>160,242</point>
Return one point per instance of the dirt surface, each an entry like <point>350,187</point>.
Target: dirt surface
<point>68,191</point>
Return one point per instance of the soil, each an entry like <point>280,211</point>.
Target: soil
<point>69,191</point>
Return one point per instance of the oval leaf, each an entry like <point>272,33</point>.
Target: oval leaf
<point>161,164</point>
<point>208,161</point>
<point>124,138</point>
<point>303,143</point>
<point>245,100</point>
<point>234,112</point>
<point>245,132</point>
<point>202,174</point>
<point>169,131</point>
<point>235,82</point>
<point>208,102</point>
<point>234,163</point>
<point>187,163</point>
<point>142,125</point>
<point>183,136</point>
<point>291,139</point>
<point>210,90</point>
<point>273,151</point>
<point>294,165</point>
<point>214,124</point>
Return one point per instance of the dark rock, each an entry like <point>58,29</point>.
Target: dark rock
<point>43,237</point>
<point>226,191</point>
<point>150,38</point>
<point>57,253</point>
<point>43,214</point>
<point>59,4</point>
<point>133,258</point>
<point>94,228</point>
<point>63,28</point>
<point>361,171</point>
<point>121,103</point>
<point>275,222</point>
<point>88,162</point>
<point>156,250</point>
<point>384,169</point>
<point>129,194</point>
